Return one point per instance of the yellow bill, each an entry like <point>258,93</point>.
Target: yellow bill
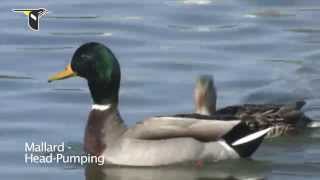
<point>27,13</point>
<point>24,11</point>
<point>66,73</point>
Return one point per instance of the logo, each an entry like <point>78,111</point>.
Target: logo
<point>34,16</point>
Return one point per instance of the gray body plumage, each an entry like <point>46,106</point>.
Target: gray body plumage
<point>159,140</point>
<point>137,152</point>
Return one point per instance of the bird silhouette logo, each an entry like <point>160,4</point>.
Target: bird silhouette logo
<point>34,16</point>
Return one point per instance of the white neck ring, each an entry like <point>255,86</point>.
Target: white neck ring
<point>100,107</point>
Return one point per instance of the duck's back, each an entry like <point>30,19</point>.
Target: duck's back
<point>283,117</point>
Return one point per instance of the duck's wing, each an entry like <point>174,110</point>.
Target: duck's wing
<point>240,141</point>
<point>204,128</point>
<point>289,114</point>
<point>284,118</point>
<point>274,112</point>
<point>248,109</point>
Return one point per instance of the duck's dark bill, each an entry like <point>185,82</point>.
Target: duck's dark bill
<point>66,73</point>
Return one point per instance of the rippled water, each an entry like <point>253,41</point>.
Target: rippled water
<point>259,51</point>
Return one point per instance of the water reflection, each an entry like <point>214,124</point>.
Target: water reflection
<point>245,169</point>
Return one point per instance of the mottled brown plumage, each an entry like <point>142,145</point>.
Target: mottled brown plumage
<point>284,118</point>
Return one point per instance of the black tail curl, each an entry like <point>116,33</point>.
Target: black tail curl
<point>245,138</point>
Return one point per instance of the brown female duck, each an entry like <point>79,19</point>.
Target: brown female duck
<point>284,118</point>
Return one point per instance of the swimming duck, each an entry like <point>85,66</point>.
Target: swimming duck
<point>155,141</point>
<point>284,118</point>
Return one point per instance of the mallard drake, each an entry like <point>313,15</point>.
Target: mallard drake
<point>155,141</point>
<point>284,118</point>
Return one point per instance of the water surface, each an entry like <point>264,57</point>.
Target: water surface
<point>259,51</point>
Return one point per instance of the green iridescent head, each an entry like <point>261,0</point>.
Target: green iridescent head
<point>97,64</point>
